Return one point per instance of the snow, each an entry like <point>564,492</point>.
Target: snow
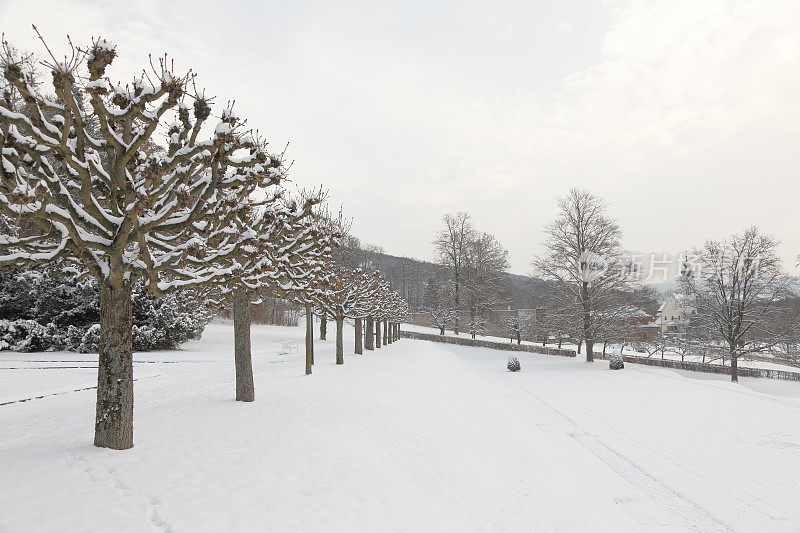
<point>104,44</point>
<point>417,436</point>
<point>744,361</point>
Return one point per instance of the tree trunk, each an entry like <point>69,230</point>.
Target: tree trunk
<point>455,317</point>
<point>734,366</point>
<point>369,336</point>
<point>309,339</point>
<point>113,427</point>
<point>441,330</point>
<point>560,340</point>
<point>340,340</point>
<point>587,322</point>
<point>604,348</point>
<point>245,389</point>
<point>377,333</point>
<point>359,339</point>
<point>385,332</point>
<point>323,327</point>
<point>580,343</point>
<point>472,320</point>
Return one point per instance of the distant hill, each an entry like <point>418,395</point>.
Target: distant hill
<point>408,276</point>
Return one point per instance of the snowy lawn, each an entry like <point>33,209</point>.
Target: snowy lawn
<point>744,361</point>
<point>417,436</point>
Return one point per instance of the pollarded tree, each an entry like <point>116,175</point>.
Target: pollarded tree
<point>84,179</point>
<point>366,286</point>
<point>397,311</point>
<point>376,311</point>
<point>390,309</point>
<point>348,295</point>
<point>283,233</point>
<point>304,275</point>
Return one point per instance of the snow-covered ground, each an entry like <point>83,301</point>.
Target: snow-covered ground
<point>743,361</point>
<point>417,436</point>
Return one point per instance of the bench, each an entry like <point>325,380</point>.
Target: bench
<point>287,349</point>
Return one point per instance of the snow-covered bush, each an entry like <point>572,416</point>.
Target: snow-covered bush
<point>90,341</point>
<point>615,361</point>
<point>513,364</point>
<point>73,338</point>
<point>52,308</point>
<point>22,336</point>
<point>166,323</point>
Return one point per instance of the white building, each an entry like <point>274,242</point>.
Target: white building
<point>675,312</point>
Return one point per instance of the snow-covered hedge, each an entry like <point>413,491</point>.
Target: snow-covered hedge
<point>464,341</point>
<point>48,308</point>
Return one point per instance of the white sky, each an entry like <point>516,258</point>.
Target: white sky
<point>682,114</point>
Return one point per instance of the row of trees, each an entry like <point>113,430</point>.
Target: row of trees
<point>132,184</point>
<point>740,295</point>
<point>473,278</point>
<point>368,300</point>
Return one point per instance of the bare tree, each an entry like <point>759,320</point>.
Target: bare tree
<point>582,260</point>
<point>514,328</point>
<point>452,248</point>
<point>83,179</point>
<point>484,277</point>
<point>738,285</point>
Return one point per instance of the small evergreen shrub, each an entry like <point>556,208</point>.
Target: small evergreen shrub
<point>615,361</point>
<point>49,308</point>
<point>513,364</point>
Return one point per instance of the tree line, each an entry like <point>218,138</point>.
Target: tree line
<point>738,298</point>
<point>141,185</point>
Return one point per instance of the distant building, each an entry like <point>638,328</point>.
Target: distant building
<point>674,313</point>
<point>644,323</point>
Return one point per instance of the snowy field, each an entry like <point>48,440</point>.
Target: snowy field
<point>417,436</point>
<point>743,361</point>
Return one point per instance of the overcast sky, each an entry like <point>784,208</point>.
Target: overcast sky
<point>683,114</point>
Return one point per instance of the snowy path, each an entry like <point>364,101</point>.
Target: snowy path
<point>738,473</point>
<point>415,437</point>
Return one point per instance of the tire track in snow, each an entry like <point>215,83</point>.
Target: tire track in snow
<point>749,501</point>
<point>690,515</point>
